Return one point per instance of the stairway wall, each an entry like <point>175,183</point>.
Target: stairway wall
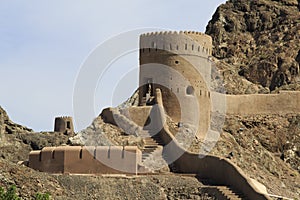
<point>220,170</point>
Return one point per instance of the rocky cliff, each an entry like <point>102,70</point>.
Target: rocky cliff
<point>259,41</point>
<point>9,127</point>
<point>16,141</point>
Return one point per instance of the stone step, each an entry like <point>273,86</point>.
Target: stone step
<point>224,192</point>
<point>230,194</point>
<point>150,146</point>
<point>143,169</point>
<point>144,156</point>
<point>151,143</point>
<point>153,146</point>
<point>157,138</point>
<point>149,140</point>
<point>160,143</point>
<point>150,150</point>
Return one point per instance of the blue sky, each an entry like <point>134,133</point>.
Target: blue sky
<point>43,45</point>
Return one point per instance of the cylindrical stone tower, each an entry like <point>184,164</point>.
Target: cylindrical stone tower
<point>179,64</point>
<point>64,125</point>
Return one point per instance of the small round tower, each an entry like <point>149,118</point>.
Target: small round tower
<point>64,125</point>
<point>179,64</point>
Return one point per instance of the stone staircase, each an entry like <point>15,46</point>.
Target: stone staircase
<point>155,160</point>
<point>231,194</point>
<point>224,193</point>
<point>153,157</point>
<point>149,147</point>
<point>152,154</point>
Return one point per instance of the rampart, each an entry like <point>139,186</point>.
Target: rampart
<point>219,170</point>
<point>182,42</point>
<point>282,103</point>
<point>87,159</point>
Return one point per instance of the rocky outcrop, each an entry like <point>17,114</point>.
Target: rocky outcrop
<point>266,147</point>
<point>133,100</point>
<point>9,127</point>
<point>259,40</point>
<point>100,133</point>
<point>3,118</point>
<point>17,141</point>
<point>11,147</point>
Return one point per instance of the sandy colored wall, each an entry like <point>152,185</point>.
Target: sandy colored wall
<point>130,120</point>
<point>221,171</point>
<point>86,160</point>
<point>281,103</point>
<point>138,115</point>
<point>174,62</point>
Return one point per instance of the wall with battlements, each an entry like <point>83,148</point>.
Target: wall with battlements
<point>86,160</point>
<point>179,64</point>
<point>183,42</point>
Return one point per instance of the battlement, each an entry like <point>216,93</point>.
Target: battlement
<point>182,42</point>
<point>86,160</point>
<point>65,117</point>
<point>175,33</point>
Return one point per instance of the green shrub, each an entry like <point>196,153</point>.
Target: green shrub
<point>10,194</point>
<point>40,196</point>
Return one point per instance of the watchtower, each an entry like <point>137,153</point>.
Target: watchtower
<point>64,125</point>
<point>179,64</point>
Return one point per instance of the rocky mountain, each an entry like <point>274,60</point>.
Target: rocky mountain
<point>12,148</point>
<point>9,127</point>
<point>256,50</point>
<point>258,41</point>
<point>16,141</point>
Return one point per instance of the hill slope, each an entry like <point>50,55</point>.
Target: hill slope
<point>260,40</point>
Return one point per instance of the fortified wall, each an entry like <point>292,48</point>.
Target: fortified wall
<point>282,103</point>
<point>175,72</point>
<point>220,171</point>
<point>87,159</point>
<point>179,64</point>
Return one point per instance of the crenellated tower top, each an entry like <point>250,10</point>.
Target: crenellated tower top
<point>182,42</point>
